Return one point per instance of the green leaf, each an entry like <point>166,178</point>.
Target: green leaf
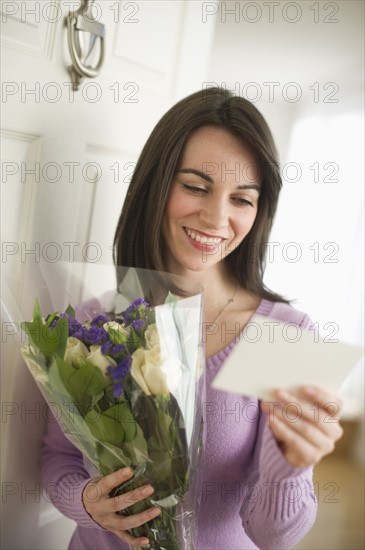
<point>54,340</point>
<point>59,375</point>
<point>151,317</point>
<point>70,311</point>
<point>33,330</point>
<point>162,464</point>
<point>170,299</point>
<point>37,314</point>
<point>117,426</point>
<point>137,449</point>
<point>117,337</point>
<point>134,342</point>
<point>122,414</point>
<point>111,459</point>
<point>49,341</point>
<point>51,318</point>
<point>105,428</point>
<point>84,384</point>
<point>87,385</point>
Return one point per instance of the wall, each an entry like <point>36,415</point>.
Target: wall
<point>301,63</point>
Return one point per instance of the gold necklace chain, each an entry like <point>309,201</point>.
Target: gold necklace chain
<point>225,307</point>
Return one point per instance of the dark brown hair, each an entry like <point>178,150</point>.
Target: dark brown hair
<point>138,240</point>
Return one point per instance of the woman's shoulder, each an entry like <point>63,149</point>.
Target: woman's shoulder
<point>284,313</point>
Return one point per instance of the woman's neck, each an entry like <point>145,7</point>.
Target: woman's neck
<point>227,307</point>
<point>217,283</point>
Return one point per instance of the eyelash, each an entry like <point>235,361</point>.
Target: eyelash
<point>196,190</point>
<point>201,191</point>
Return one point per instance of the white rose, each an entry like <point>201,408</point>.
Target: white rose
<point>75,349</point>
<point>146,370</point>
<point>99,360</point>
<point>115,326</point>
<point>152,337</point>
<point>172,368</point>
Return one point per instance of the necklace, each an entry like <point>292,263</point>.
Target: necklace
<point>225,308</point>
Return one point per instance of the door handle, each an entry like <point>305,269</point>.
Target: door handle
<point>83,20</point>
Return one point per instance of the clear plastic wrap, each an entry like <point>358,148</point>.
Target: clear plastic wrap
<point>124,377</point>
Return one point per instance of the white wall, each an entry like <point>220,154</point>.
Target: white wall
<point>301,63</point>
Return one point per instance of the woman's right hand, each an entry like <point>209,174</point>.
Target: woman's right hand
<point>102,508</point>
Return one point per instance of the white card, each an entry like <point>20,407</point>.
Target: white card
<point>272,355</point>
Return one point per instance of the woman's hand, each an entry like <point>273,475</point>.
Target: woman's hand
<point>103,509</point>
<point>305,427</point>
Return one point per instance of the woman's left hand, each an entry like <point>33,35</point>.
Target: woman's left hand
<point>305,427</point>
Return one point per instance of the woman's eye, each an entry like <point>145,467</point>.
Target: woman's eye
<point>242,202</point>
<point>194,189</point>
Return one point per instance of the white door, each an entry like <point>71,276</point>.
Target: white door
<point>66,161</point>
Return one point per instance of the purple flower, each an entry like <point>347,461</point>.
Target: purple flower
<point>117,348</point>
<point>100,320</point>
<point>117,389</point>
<point>118,374</point>
<point>136,308</point>
<point>73,325</point>
<point>138,323</point>
<point>139,302</point>
<point>81,334</point>
<point>105,348</point>
<point>121,370</point>
<point>110,349</point>
<point>92,336</point>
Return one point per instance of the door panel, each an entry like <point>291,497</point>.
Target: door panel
<point>67,158</point>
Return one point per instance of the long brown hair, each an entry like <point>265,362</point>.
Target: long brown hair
<point>138,240</point>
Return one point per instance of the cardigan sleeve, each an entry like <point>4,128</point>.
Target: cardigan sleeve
<point>279,506</point>
<point>63,475</point>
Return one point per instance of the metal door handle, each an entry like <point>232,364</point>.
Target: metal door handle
<point>77,21</point>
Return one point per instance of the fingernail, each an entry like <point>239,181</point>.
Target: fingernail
<point>145,542</point>
<point>147,490</point>
<point>283,394</point>
<point>127,471</point>
<point>156,511</point>
<point>309,390</point>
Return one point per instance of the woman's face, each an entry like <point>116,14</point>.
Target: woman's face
<point>213,200</point>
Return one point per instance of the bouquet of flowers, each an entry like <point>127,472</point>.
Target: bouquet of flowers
<point>127,388</point>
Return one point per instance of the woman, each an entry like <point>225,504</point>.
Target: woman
<point>201,204</point>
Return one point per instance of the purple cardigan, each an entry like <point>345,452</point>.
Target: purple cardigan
<point>251,497</point>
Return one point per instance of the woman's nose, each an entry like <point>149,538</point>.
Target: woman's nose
<point>214,215</point>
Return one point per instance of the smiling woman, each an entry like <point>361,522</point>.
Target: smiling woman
<point>201,204</point>
<point>240,151</point>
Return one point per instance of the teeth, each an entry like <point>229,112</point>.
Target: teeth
<point>201,238</point>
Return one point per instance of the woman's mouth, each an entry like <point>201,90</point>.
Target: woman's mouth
<point>199,238</point>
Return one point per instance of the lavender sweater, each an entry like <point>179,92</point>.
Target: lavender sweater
<point>251,497</point>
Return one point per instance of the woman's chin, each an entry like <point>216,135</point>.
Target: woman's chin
<point>197,266</point>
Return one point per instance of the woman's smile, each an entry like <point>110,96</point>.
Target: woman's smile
<point>201,240</point>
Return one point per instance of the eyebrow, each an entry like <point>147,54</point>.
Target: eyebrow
<point>207,178</point>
